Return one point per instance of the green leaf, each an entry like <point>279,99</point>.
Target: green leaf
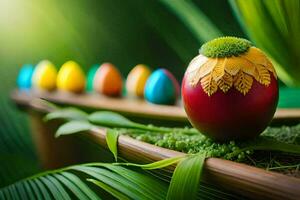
<point>72,186</point>
<point>112,119</point>
<point>60,188</point>
<point>197,22</point>
<point>35,189</point>
<point>186,178</point>
<point>112,142</point>
<point>114,180</point>
<point>28,190</point>
<point>42,189</point>
<point>69,113</point>
<point>52,188</point>
<point>73,127</point>
<point>146,183</point>
<point>156,165</point>
<point>279,35</point>
<point>109,189</point>
<point>81,185</point>
<point>265,143</point>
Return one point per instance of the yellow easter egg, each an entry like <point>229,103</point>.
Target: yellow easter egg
<point>136,80</point>
<point>71,78</point>
<point>44,76</point>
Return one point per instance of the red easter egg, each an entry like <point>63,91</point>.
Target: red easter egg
<point>231,98</point>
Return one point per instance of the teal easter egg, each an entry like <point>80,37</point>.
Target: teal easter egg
<point>90,77</point>
<point>24,77</point>
<point>161,88</point>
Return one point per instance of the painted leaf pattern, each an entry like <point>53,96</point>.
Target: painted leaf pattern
<point>219,70</point>
<point>263,75</point>
<point>243,82</point>
<point>225,83</point>
<point>237,71</point>
<point>209,85</point>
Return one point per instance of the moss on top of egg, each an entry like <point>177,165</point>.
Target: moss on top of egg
<point>225,47</point>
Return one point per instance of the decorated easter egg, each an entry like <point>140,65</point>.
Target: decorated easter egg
<point>108,80</point>
<point>44,76</point>
<point>24,77</point>
<point>161,87</point>
<point>71,78</point>
<point>230,90</point>
<point>90,77</point>
<point>136,80</point>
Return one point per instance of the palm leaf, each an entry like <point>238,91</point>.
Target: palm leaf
<point>70,182</point>
<point>274,26</point>
<point>199,24</point>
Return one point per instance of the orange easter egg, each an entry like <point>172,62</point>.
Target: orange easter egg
<point>108,80</point>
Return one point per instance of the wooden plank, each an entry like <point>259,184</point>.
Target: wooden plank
<point>239,178</point>
<point>136,107</point>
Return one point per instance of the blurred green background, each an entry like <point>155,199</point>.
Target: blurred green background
<point>159,33</point>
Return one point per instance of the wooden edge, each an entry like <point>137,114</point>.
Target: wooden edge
<point>134,107</point>
<point>235,177</point>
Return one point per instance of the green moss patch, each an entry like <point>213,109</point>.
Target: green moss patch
<point>225,47</point>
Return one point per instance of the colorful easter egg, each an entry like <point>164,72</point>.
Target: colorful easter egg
<point>108,80</point>
<point>230,90</point>
<point>44,76</point>
<point>71,78</point>
<point>161,87</point>
<point>136,80</point>
<point>24,77</point>
<point>90,77</point>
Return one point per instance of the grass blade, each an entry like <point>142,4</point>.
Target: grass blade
<point>156,165</point>
<point>112,142</point>
<point>186,178</point>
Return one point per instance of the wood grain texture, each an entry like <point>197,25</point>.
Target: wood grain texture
<point>239,178</point>
<point>136,107</point>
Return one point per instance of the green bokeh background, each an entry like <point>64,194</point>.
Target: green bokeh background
<point>94,31</point>
<point>125,33</point>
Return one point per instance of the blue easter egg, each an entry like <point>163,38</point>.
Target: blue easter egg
<point>24,77</point>
<point>161,88</point>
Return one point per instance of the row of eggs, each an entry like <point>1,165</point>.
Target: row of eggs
<point>159,87</point>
